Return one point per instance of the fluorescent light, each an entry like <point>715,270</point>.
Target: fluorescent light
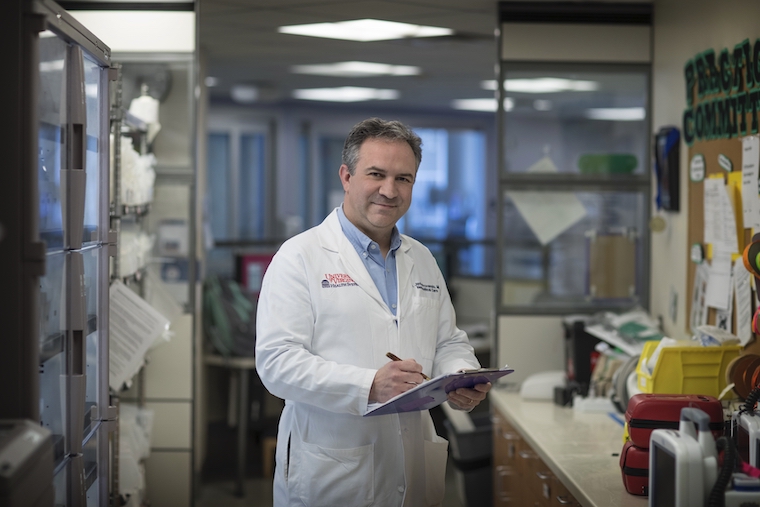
<point>617,113</point>
<point>211,81</point>
<point>245,94</point>
<point>345,94</point>
<point>51,66</point>
<point>542,105</point>
<point>365,30</point>
<point>142,31</point>
<point>488,105</point>
<point>356,69</point>
<point>543,85</point>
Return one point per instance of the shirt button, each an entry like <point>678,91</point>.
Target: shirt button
<point>372,247</point>
<point>393,306</point>
<point>401,489</point>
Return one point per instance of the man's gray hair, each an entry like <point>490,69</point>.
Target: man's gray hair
<point>376,128</point>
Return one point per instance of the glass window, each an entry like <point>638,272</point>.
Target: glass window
<point>600,240</point>
<point>448,210</point>
<point>588,122</point>
<point>304,189</point>
<point>330,160</point>
<point>575,188</point>
<point>218,181</point>
<point>236,195</point>
<point>252,196</point>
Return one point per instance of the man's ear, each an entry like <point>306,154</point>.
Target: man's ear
<point>345,176</point>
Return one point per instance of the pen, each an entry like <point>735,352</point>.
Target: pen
<point>394,357</point>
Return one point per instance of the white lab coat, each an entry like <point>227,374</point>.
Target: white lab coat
<point>322,332</point>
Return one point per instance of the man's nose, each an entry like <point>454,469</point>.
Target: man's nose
<point>389,188</point>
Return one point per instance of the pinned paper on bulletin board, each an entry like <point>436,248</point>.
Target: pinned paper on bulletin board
<point>750,185</point>
<point>734,191</point>
<point>720,228</point>
<point>744,302</point>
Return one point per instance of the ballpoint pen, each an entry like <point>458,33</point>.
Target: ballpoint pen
<point>394,357</point>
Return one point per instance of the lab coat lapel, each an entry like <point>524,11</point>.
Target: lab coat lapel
<point>337,241</point>
<point>404,265</point>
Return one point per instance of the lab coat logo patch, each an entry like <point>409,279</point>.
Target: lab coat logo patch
<point>332,281</point>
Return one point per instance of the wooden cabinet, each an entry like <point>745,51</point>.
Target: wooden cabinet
<point>521,478</point>
<point>561,497</point>
<point>506,443</point>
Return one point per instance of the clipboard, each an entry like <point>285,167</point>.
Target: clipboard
<point>433,392</point>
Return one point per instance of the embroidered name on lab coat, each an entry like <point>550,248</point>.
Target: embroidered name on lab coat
<point>426,288</point>
<point>332,281</point>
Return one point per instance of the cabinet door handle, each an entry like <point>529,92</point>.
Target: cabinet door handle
<point>525,454</point>
<point>503,496</point>
<point>543,475</point>
<point>563,500</point>
<point>509,436</point>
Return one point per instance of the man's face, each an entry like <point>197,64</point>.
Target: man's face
<point>380,191</point>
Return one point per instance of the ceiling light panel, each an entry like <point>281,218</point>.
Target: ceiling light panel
<point>142,31</point>
<point>245,94</point>
<point>544,85</point>
<point>356,69</point>
<point>617,113</point>
<point>487,105</point>
<point>345,94</point>
<point>365,30</point>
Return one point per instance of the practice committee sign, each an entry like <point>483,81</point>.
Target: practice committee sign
<point>722,93</point>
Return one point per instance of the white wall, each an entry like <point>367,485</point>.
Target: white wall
<point>684,28</point>
<point>531,344</point>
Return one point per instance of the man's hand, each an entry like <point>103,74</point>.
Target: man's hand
<point>467,399</point>
<point>394,378</point>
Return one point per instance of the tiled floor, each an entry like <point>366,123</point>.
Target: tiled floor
<point>258,493</point>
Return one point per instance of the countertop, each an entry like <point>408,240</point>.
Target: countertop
<point>581,449</point>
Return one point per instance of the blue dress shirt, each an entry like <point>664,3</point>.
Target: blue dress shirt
<point>382,271</point>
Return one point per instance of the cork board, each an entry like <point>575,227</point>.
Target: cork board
<point>711,150</point>
<point>722,106</point>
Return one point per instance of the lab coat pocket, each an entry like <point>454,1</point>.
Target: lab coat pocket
<point>330,477</point>
<point>436,453</point>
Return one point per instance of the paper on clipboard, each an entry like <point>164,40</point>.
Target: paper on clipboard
<point>432,393</point>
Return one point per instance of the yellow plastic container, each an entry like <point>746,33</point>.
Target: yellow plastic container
<point>685,370</point>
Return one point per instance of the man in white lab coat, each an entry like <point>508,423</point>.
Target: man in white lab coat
<point>334,301</point>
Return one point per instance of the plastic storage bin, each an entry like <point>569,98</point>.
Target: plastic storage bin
<point>471,454</point>
<point>686,370</point>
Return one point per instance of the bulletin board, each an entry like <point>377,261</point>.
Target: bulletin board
<point>722,99</point>
<point>710,150</point>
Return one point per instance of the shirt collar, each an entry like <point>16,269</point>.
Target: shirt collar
<point>361,241</point>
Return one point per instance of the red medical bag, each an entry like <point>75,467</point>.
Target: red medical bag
<point>647,412</point>
<point>634,464</point>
